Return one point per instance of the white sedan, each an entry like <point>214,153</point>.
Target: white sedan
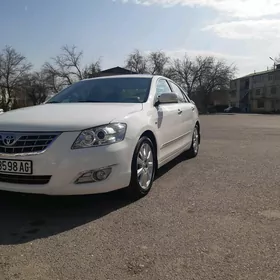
<point>98,135</point>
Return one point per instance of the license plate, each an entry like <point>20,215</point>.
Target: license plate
<point>16,166</point>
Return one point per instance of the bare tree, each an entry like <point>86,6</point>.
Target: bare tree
<point>91,70</point>
<point>71,60</point>
<point>154,63</point>
<point>137,62</point>
<point>37,87</point>
<point>13,67</point>
<point>185,72</point>
<point>276,60</point>
<point>202,75</point>
<point>157,63</point>
<point>66,68</point>
<point>215,74</point>
<point>56,81</point>
<point>1,66</point>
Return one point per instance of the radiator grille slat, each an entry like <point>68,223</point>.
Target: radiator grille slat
<point>27,142</point>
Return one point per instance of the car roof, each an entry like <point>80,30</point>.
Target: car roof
<point>126,76</point>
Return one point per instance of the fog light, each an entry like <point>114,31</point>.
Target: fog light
<point>96,175</point>
<point>101,174</point>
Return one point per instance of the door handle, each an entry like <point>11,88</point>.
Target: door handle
<point>180,111</point>
<point>192,108</point>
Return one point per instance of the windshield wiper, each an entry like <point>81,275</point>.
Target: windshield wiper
<point>90,101</point>
<point>82,101</point>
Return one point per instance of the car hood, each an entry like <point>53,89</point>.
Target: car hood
<point>65,116</point>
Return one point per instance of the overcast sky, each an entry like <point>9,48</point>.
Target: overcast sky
<point>244,32</point>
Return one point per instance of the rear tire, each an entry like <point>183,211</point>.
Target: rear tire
<point>193,151</point>
<point>143,168</point>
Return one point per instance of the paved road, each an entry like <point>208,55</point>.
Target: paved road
<point>213,217</point>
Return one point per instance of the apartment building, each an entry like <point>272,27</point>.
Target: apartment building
<point>257,92</point>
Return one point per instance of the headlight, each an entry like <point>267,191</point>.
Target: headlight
<point>101,135</point>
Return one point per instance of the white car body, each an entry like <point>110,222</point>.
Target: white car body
<point>56,168</point>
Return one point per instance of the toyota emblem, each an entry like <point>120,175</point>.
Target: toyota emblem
<point>9,140</point>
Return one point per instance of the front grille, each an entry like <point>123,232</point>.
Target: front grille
<point>25,179</point>
<point>25,143</point>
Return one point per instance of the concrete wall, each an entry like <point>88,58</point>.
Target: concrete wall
<point>269,105</point>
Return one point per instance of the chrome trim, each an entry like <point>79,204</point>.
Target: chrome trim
<point>80,174</point>
<point>52,136</point>
<point>22,154</point>
<point>174,140</point>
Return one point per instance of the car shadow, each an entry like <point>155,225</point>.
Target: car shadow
<point>26,217</point>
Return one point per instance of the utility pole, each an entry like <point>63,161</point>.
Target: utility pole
<point>274,64</point>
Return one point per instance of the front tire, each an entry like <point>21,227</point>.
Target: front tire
<point>143,168</point>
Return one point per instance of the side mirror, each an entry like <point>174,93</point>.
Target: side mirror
<point>166,98</point>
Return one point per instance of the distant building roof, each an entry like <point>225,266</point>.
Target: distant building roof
<point>260,73</point>
<point>118,70</point>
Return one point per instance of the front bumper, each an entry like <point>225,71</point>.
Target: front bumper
<point>64,166</point>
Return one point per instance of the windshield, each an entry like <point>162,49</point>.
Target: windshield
<point>108,90</point>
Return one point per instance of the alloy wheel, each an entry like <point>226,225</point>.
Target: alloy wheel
<point>145,166</point>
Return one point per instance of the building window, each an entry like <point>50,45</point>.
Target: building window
<point>258,91</point>
<point>258,79</point>
<point>270,77</point>
<point>273,90</point>
<point>260,104</point>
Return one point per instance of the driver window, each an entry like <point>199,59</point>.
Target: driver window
<point>181,96</point>
<point>162,87</point>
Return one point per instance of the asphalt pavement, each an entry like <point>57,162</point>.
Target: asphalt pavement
<point>213,217</point>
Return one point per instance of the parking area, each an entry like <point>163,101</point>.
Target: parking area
<point>213,217</point>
